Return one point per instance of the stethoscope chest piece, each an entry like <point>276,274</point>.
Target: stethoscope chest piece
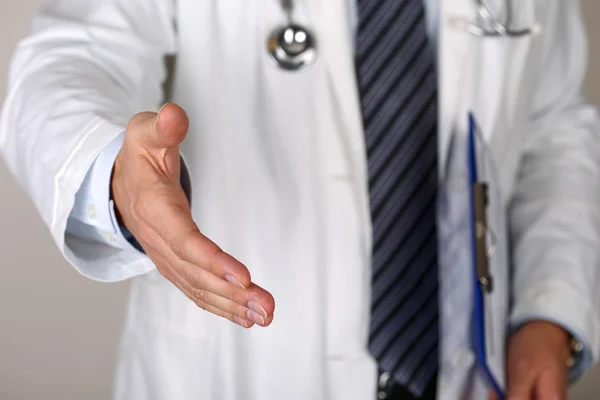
<point>292,47</point>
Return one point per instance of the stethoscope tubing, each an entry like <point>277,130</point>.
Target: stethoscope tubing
<point>290,53</point>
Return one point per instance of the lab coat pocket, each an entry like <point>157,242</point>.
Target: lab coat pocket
<point>500,89</point>
<point>502,72</point>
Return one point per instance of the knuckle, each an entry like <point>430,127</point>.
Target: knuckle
<point>201,295</point>
<point>185,244</point>
<point>214,250</point>
<point>191,277</point>
<point>180,246</point>
<point>139,119</point>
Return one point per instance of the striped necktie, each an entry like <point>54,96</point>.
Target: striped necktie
<point>398,88</point>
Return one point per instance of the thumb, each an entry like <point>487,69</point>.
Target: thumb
<point>552,386</point>
<point>166,129</point>
<point>521,381</point>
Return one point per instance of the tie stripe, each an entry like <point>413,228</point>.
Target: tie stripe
<point>391,280</point>
<point>375,43</point>
<point>398,87</point>
<point>412,146</point>
<point>408,277</point>
<point>389,62</point>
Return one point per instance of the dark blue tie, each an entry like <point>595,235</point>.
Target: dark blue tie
<point>398,87</point>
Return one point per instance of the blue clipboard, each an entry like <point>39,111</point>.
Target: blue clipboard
<point>482,282</point>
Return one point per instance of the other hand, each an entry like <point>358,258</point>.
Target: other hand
<point>537,363</point>
<point>150,201</point>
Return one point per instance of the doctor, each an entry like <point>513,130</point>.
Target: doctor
<point>315,189</point>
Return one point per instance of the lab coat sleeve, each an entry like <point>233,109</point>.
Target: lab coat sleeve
<point>555,212</point>
<point>86,68</point>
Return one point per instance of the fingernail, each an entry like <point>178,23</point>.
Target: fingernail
<point>240,321</point>
<point>255,305</point>
<point>163,106</point>
<point>255,317</point>
<point>233,281</point>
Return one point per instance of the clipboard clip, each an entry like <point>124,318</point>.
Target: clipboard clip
<point>482,232</point>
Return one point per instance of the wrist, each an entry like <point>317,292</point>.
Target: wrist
<point>556,336</point>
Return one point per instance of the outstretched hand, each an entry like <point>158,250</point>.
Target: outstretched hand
<point>150,201</point>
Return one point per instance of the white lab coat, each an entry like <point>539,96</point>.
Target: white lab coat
<point>278,171</point>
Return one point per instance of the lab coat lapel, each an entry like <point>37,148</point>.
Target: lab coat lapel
<point>337,50</point>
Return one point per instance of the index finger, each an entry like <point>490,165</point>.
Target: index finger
<point>172,221</point>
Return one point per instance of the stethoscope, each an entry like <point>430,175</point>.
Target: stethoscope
<point>292,46</point>
<point>490,26</point>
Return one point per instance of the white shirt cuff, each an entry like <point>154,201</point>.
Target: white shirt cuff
<point>93,217</point>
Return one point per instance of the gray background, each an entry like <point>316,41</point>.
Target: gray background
<point>59,331</point>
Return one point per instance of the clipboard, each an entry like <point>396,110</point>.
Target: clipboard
<point>483,281</point>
